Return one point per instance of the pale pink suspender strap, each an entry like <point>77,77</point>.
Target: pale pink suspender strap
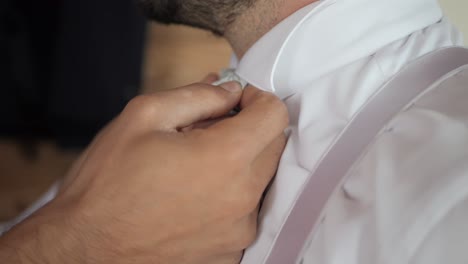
<point>391,98</point>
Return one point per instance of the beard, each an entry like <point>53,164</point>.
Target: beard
<point>213,15</point>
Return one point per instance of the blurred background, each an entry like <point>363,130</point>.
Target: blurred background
<point>68,67</point>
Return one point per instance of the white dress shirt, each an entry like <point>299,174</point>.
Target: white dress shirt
<point>405,201</point>
<point>402,202</point>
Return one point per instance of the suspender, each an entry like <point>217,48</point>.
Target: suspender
<point>411,81</point>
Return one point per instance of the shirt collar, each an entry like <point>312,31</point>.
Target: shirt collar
<point>327,35</point>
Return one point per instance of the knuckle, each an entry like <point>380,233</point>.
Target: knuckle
<point>214,93</point>
<point>283,114</point>
<point>243,200</point>
<point>200,89</point>
<point>277,108</point>
<point>246,236</point>
<point>273,106</point>
<point>141,107</point>
<point>205,93</point>
<point>267,97</point>
<point>250,237</point>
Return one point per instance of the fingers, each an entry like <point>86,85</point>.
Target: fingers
<point>265,166</point>
<point>234,238</point>
<point>234,235</point>
<point>263,118</point>
<point>178,108</point>
<point>231,258</point>
<point>210,78</point>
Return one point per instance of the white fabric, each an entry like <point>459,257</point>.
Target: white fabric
<point>41,202</point>
<point>326,61</point>
<point>229,75</point>
<point>405,202</point>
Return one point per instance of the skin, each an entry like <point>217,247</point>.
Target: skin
<point>173,179</point>
<point>205,208</point>
<point>241,22</point>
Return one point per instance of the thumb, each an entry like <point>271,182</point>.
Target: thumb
<point>178,108</point>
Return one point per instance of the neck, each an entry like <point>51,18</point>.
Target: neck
<point>258,20</point>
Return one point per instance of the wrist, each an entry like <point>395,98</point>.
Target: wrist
<point>42,239</point>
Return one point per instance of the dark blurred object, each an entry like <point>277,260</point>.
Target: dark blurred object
<point>67,67</point>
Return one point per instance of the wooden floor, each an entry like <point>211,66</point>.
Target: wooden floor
<point>174,56</point>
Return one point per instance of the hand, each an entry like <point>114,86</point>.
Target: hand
<point>155,188</point>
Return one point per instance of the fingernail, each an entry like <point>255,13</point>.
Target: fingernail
<point>232,86</point>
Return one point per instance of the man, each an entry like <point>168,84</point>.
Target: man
<point>325,59</point>
<point>153,187</point>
